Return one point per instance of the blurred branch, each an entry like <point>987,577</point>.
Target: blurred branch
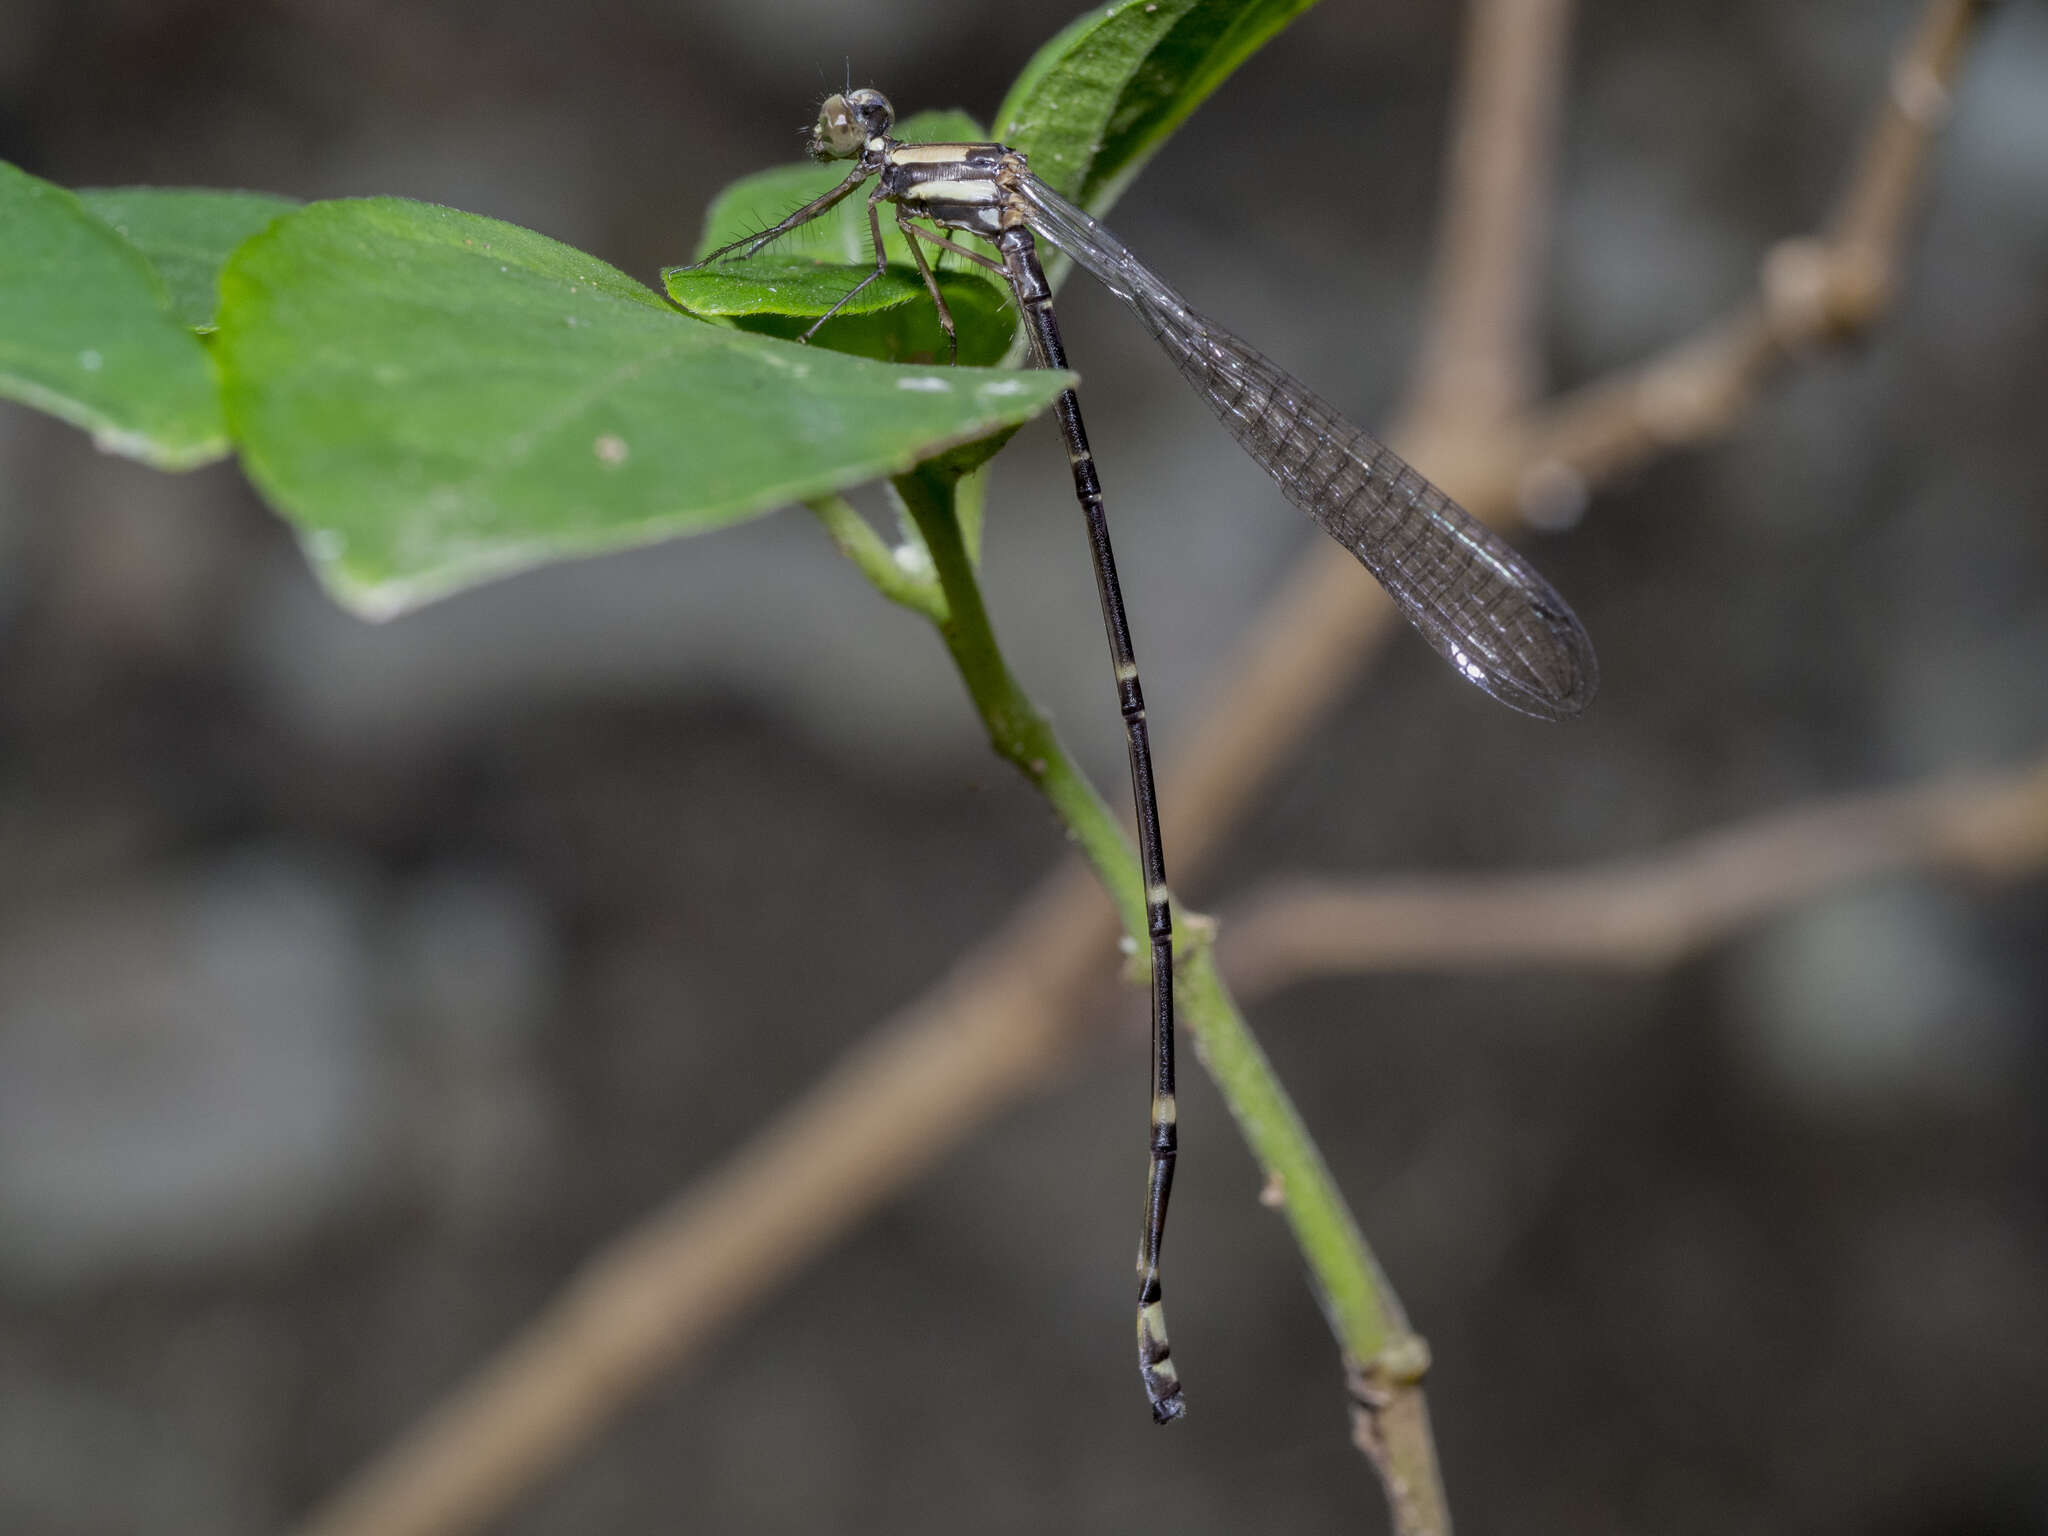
<point>1812,291</point>
<point>984,1036</point>
<point>1477,362</point>
<point>1015,1005</point>
<point>1475,369</point>
<point>1324,624</point>
<point>1639,914</point>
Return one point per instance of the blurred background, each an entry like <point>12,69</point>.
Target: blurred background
<point>355,982</point>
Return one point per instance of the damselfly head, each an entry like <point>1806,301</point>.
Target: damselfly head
<point>847,120</point>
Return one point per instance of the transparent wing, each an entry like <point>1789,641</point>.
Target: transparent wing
<point>1479,603</point>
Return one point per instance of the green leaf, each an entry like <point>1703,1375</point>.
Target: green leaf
<point>436,398</point>
<point>891,320</point>
<point>187,233</point>
<point>1096,102</point>
<point>815,265</point>
<point>87,333</point>
<point>784,284</point>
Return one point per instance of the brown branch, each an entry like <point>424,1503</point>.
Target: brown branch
<point>984,1036</point>
<point>1475,370</point>
<point>1812,291</point>
<point>1477,363</point>
<point>1638,914</point>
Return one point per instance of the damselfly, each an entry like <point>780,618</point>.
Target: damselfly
<point>1481,605</point>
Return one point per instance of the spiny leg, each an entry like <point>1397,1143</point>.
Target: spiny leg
<point>803,215</point>
<point>916,232</point>
<point>911,235</point>
<point>881,266</point>
<point>960,250</point>
<point>1155,1356</point>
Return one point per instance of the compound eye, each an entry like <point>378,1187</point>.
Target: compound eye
<point>839,134</point>
<point>874,109</point>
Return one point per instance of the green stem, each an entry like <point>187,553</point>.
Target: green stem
<point>897,572</point>
<point>1020,734</point>
<point>1384,1359</point>
<point>1361,1306</point>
